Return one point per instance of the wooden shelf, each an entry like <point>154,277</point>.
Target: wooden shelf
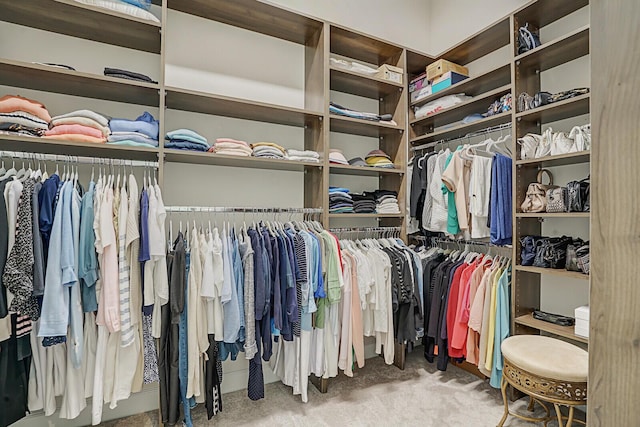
<point>84,21</point>
<point>554,272</point>
<point>219,105</point>
<point>57,80</point>
<point>477,104</point>
<point>203,158</point>
<point>362,170</point>
<point>544,12</point>
<point>556,52</point>
<point>343,124</point>
<point>362,84</point>
<point>474,86</point>
<point>91,149</point>
<point>541,325</point>
<point>560,110</point>
<point>559,160</point>
<point>362,47</point>
<point>554,215</point>
<point>480,44</point>
<point>364,215</point>
<point>253,16</point>
<point>463,129</point>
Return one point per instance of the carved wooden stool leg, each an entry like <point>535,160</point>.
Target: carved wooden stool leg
<point>559,414</point>
<point>503,387</point>
<point>531,406</point>
<point>570,419</point>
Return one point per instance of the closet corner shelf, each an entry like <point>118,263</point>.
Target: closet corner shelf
<point>477,104</point>
<point>361,84</point>
<point>556,52</point>
<point>568,108</point>
<point>481,43</point>
<point>417,63</point>
<point>362,127</point>
<point>203,158</point>
<point>54,146</point>
<point>362,170</point>
<point>558,160</point>
<point>553,271</point>
<point>543,12</point>
<point>362,47</point>
<point>219,105</point>
<point>562,331</point>
<point>252,15</point>
<point>84,21</point>
<point>463,129</point>
<point>365,215</point>
<point>553,215</point>
<point>474,86</point>
<point>77,83</point>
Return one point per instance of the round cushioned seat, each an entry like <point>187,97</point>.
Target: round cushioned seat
<point>547,357</point>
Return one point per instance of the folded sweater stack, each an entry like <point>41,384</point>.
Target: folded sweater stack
<point>379,159</point>
<point>80,126</point>
<point>268,150</point>
<point>231,147</point>
<point>339,200</point>
<point>23,116</point>
<point>303,156</point>
<point>142,131</point>
<point>364,203</point>
<point>185,139</point>
<point>386,202</point>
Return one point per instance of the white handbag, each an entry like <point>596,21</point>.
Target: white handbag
<point>529,145</point>
<point>582,137</point>
<point>562,144</point>
<point>544,147</point>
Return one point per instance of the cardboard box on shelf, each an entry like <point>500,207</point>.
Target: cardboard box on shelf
<point>420,94</point>
<point>418,83</point>
<point>441,66</point>
<point>447,79</point>
<point>391,73</point>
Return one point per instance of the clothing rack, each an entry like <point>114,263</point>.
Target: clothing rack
<point>78,159</point>
<point>469,135</point>
<point>436,240</point>
<point>366,230</point>
<point>225,209</point>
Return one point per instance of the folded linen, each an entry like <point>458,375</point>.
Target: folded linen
<point>130,143</point>
<point>84,121</point>
<point>268,144</point>
<point>302,153</point>
<point>186,135</point>
<point>12,103</point>
<point>234,141</point>
<point>231,146</point>
<point>132,136</point>
<point>75,129</point>
<point>77,138</point>
<point>185,145</point>
<point>233,152</point>
<point>304,159</point>
<point>145,124</point>
<point>99,118</point>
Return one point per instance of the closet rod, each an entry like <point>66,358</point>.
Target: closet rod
<point>349,229</point>
<point>469,135</point>
<point>217,209</point>
<point>77,159</point>
<point>435,240</point>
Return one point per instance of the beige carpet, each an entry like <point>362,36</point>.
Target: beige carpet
<point>378,395</point>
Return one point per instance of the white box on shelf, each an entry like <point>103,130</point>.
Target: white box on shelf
<point>582,313</point>
<point>583,332</point>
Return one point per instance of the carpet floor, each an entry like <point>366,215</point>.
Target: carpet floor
<point>378,396</point>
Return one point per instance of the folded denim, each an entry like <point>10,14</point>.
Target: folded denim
<point>145,124</point>
<point>126,74</point>
<point>84,121</point>
<point>185,145</point>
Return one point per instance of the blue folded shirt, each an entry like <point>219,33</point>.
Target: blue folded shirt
<point>185,145</point>
<point>144,124</point>
<point>186,135</point>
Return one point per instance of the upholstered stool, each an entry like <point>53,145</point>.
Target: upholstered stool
<point>547,370</point>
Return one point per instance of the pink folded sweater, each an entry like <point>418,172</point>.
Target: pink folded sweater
<point>74,129</point>
<point>233,141</point>
<point>11,103</point>
<point>77,138</point>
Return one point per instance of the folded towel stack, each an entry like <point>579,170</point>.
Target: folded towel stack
<point>379,159</point>
<point>269,150</point>
<point>386,202</point>
<point>364,203</point>
<point>142,131</point>
<point>339,200</point>
<point>23,116</point>
<point>185,139</point>
<point>231,147</point>
<point>347,112</point>
<point>303,156</point>
<point>336,157</point>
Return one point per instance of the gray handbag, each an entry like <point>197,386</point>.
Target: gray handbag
<point>557,200</point>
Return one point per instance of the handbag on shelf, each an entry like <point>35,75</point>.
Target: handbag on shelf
<point>557,200</point>
<point>525,102</point>
<point>544,146</point>
<point>555,251</point>
<point>528,249</point>
<point>582,137</point>
<point>529,145</point>
<point>542,98</point>
<point>536,198</point>
<point>572,255</point>
<point>528,38</point>
<point>578,195</point>
<point>583,258</point>
<point>539,260</point>
<point>562,143</point>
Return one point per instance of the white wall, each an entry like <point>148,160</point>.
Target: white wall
<point>388,20</point>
